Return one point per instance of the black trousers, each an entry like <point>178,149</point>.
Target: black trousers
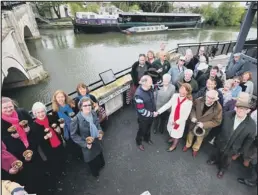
<point>97,164</point>
<point>214,132</point>
<point>160,122</point>
<point>222,159</point>
<point>144,131</point>
<point>253,175</point>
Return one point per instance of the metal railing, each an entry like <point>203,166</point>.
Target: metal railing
<point>213,49</point>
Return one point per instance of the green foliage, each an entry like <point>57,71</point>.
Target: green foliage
<point>127,6</point>
<point>78,7</point>
<point>227,14</point>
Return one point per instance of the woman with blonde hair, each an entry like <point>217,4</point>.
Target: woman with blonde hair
<point>247,83</point>
<point>150,56</point>
<point>226,91</point>
<point>181,105</point>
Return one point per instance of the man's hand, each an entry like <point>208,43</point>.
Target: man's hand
<point>15,135</point>
<point>234,157</point>
<point>246,163</point>
<point>155,114</point>
<point>27,129</point>
<point>13,170</point>
<point>194,120</point>
<point>200,124</point>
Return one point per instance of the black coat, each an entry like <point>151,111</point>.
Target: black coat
<point>204,77</point>
<point>16,146</point>
<point>45,144</point>
<point>233,142</point>
<point>134,72</point>
<point>191,64</point>
<point>197,58</point>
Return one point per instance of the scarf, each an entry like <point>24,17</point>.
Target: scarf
<point>93,129</point>
<point>7,158</point>
<point>54,141</point>
<point>177,111</point>
<point>64,113</point>
<point>14,120</point>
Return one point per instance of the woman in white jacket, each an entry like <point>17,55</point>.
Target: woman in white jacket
<point>181,105</point>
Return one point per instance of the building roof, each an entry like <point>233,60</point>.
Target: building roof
<point>157,14</point>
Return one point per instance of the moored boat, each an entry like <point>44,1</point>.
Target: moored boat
<point>145,29</point>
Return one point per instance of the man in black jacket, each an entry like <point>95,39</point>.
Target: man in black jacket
<point>201,53</point>
<point>212,73</point>
<point>237,134</point>
<point>139,68</point>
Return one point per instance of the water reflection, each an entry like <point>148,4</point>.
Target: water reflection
<point>72,58</point>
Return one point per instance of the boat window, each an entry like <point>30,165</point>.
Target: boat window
<point>143,28</point>
<point>147,28</point>
<point>153,18</point>
<point>103,21</point>
<point>113,21</point>
<point>92,16</point>
<point>108,21</point>
<point>157,27</point>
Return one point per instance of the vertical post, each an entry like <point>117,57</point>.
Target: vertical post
<point>245,27</point>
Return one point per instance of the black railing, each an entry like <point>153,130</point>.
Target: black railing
<point>214,48</point>
<point>93,86</point>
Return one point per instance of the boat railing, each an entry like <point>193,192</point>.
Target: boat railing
<point>213,49</point>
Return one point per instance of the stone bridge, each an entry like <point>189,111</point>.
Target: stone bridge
<point>19,68</point>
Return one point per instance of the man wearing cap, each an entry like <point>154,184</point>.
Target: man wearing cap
<point>177,70</point>
<point>206,113</point>
<point>145,107</point>
<point>162,65</point>
<point>237,134</point>
<point>235,67</point>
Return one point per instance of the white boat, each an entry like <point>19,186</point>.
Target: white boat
<point>145,29</point>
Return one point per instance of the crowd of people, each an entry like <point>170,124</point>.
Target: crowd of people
<point>197,101</point>
<point>189,98</point>
<point>36,150</point>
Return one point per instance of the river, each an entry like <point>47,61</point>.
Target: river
<point>72,58</point>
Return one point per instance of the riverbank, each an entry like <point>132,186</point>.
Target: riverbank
<point>56,23</point>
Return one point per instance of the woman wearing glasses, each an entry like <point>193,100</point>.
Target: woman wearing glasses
<point>87,133</point>
<point>236,89</point>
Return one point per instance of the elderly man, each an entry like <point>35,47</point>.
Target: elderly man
<point>237,134</point>
<point>163,95</point>
<point>206,113</point>
<point>212,73</point>
<point>162,65</point>
<point>177,70</point>
<point>235,67</point>
<point>145,106</point>
<point>201,53</point>
<point>188,78</point>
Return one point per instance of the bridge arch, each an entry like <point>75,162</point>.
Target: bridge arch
<point>27,32</point>
<point>13,71</point>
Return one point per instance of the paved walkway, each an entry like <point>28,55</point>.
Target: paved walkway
<point>129,171</point>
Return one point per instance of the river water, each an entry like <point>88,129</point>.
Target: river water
<point>72,58</point>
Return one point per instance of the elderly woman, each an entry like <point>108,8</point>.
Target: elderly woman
<point>181,105</point>
<point>150,57</point>
<point>247,83</point>
<point>87,133</point>
<point>236,88</point>
<point>49,138</point>
<point>226,91</point>
<point>20,141</point>
<point>188,78</point>
<point>163,95</point>
<point>83,91</point>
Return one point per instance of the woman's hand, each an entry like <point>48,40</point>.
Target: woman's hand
<point>58,130</point>
<point>27,129</point>
<point>15,135</point>
<point>13,170</point>
<point>101,134</point>
<point>89,146</point>
<point>62,125</point>
<point>49,135</point>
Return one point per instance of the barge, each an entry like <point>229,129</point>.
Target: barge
<point>89,22</point>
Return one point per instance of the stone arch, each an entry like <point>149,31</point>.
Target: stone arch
<point>27,32</point>
<point>13,71</point>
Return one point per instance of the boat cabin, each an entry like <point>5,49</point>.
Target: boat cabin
<point>93,18</point>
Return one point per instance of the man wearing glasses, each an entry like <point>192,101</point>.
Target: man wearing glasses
<point>206,113</point>
<point>177,70</point>
<point>237,134</point>
<point>235,67</point>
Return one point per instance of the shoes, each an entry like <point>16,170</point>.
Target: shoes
<point>171,149</point>
<point>220,174</point>
<point>211,162</point>
<point>141,147</point>
<point>195,153</point>
<point>246,182</point>
<point>185,149</point>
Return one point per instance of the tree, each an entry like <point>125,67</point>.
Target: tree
<point>79,7</point>
<point>46,7</point>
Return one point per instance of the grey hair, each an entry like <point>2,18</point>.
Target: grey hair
<point>188,51</point>
<point>188,71</point>
<point>214,92</point>
<point>36,106</point>
<point>83,99</point>
<point>144,79</point>
<point>167,76</point>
